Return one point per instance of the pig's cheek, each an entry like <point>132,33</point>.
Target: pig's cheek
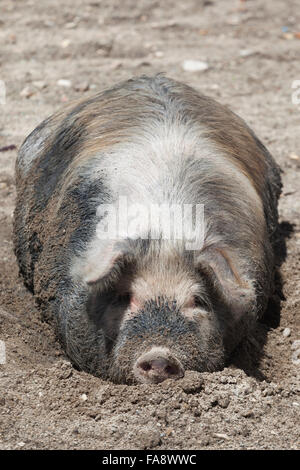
<point>131,311</point>
<point>134,304</point>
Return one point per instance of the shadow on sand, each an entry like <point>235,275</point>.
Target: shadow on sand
<point>249,353</point>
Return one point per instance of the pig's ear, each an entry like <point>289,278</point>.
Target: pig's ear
<point>231,288</point>
<point>103,266</point>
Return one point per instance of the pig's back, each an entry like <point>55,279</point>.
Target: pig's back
<point>150,139</point>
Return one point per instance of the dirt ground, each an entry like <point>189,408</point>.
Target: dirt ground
<point>252,51</point>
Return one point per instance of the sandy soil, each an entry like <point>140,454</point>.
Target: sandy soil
<point>253,58</point>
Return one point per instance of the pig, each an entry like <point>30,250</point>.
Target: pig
<point>142,305</point>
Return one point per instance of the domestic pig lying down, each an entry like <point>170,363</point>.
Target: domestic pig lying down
<point>145,222</point>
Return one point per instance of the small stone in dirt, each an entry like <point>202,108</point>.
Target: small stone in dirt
<point>64,83</point>
<point>243,389</point>
<point>103,394</point>
<point>286,332</point>
<point>192,382</point>
<point>246,52</point>
<point>169,431</point>
<point>197,412</point>
<point>204,442</point>
<point>92,412</point>
<point>244,431</point>
<point>161,414</point>
<point>231,380</point>
<point>288,36</point>
<point>221,436</point>
<point>194,66</point>
<point>84,86</point>
<point>247,414</point>
<point>39,84</point>
<point>174,405</point>
<point>213,401</point>
<point>223,379</point>
<point>144,63</point>
<point>65,370</point>
<point>27,92</point>
<point>296,344</point>
<point>294,156</point>
<point>83,397</point>
<point>296,357</point>
<point>65,43</point>
<point>149,439</point>
<point>71,25</point>
<point>223,402</point>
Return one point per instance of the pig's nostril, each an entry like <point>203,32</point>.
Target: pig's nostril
<point>172,370</point>
<point>145,366</point>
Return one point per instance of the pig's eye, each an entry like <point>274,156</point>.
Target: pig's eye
<point>199,302</point>
<point>124,297</point>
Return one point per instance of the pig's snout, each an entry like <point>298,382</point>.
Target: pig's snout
<point>157,365</point>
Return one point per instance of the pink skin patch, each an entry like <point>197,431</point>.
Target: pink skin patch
<point>135,305</point>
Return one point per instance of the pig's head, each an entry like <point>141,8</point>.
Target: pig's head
<point>164,310</point>
<point>160,342</point>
